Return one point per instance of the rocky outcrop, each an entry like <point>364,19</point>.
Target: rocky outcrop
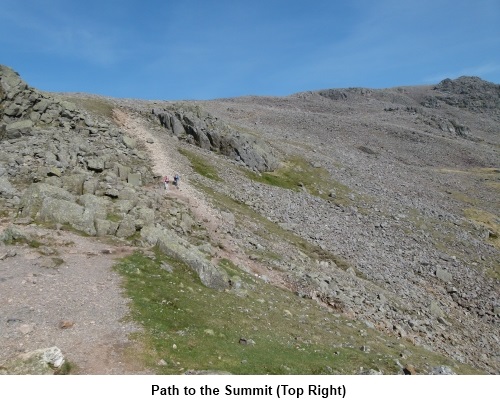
<point>470,93</point>
<point>68,165</point>
<point>174,246</point>
<point>206,131</point>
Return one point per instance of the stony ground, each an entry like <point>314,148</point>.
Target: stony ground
<point>64,293</point>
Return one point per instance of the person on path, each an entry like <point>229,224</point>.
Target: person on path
<point>177,178</point>
<point>166,182</point>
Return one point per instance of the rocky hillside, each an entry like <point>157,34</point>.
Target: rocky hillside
<point>379,205</point>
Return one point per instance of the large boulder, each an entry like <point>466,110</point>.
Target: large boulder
<point>174,246</point>
<point>67,212</point>
<point>7,190</point>
<point>32,200</point>
<point>18,128</point>
<point>53,204</point>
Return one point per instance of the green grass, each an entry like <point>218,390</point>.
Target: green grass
<point>113,217</point>
<point>201,165</point>
<point>190,326</point>
<point>297,174</point>
<point>93,105</point>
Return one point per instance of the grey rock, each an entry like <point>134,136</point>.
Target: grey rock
<point>32,200</point>
<point>435,309</point>
<point>67,212</point>
<point>173,245</point>
<point>444,275</point>
<point>97,205</point>
<point>90,186</point>
<point>126,227</point>
<point>134,179</point>
<point>442,370</point>
<point>122,171</point>
<point>104,227</point>
<point>41,106</point>
<point>7,190</point>
<point>18,129</point>
<point>74,183</point>
<point>38,362</point>
<point>129,142</point>
<point>208,133</point>
<point>96,165</point>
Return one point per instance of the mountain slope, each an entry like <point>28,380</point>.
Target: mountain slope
<point>383,210</point>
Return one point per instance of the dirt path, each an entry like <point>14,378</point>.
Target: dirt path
<point>62,292</point>
<point>167,160</point>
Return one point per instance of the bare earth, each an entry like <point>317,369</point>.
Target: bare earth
<point>77,306</point>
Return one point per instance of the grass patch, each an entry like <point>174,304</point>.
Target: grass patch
<point>113,217</point>
<point>487,220</point>
<point>297,174</point>
<point>200,165</point>
<point>191,327</point>
<point>230,268</point>
<point>94,105</point>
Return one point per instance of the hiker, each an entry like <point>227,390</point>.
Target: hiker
<point>177,178</point>
<point>166,181</point>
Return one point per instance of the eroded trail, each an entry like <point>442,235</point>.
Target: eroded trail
<point>166,160</point>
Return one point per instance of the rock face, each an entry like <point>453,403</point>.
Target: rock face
<point>470,93</point>
<point>209,133</point>
<point>71,165</point>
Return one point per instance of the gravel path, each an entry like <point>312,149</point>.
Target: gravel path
<point>65,294</point>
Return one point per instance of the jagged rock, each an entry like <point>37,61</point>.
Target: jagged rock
<point>13,234</point>
<point>210,134</point>
<point>143,216</point>
<point>122,171</point>
<point>75,183</point>
<point>124,206</point>
<point>18,129</point>
<point>54,171</point>
<point>90,186</point>
<point>99,206</point>
<point>112,192</point>
<point>11,81</point>
<point>435,309</point>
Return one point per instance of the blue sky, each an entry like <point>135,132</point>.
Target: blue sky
<point>186,49</point>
